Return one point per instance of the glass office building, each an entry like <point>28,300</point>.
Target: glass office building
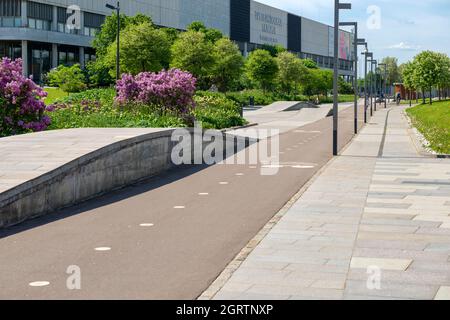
<point>42,32</point>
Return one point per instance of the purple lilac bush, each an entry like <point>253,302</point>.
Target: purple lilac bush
<point>21,101</point>
<point>171,90</point>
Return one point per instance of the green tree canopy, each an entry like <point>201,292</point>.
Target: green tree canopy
<point>310,64</point>
<point>108,32</point>
<point>228,63</point>
<point>319,82</point>
<point>274,50</point>
<point>211,34</point>
<point>192,52</point>
<point>142,48</point>
<point>291,71</point>
<point>427,69</point>
<point>394,75</point>
<point>261,68</point>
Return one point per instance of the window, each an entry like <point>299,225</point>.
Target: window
<point>68,55</point>
<point>90,32</point>
<point>63,16</point>
<point>11,49</point>
<point>39,24</point>
<point>89,57</point>
<point>62,58</point>
<point>40,15</point>
<point>92,23</point>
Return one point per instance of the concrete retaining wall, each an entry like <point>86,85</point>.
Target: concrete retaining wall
<point>112,167</point>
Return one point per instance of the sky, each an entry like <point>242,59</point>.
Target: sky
<point>399,28</point>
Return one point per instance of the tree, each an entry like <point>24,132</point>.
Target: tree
<point>69,79</point>
<point>228,63</point>
<point>261,68</point>
<point>291,71</point>
<point>211,34</point>
<point>310,64</point>
<point>426,74</point>
<point>344,87</point>
<point>108,33</point>
<point>408,77</point>
<point>319,82</point>
<point>394,75</point>
<point>192,52</point>
<point>443,80</point>
<point>274,50</point>
<point>142,48</point>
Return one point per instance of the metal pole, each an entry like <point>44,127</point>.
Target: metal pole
<point>336,78</point>
<point>385,86</point>
<point>371,88</point>
<point>356,76</point>
<point>337,6</point>
<point>375,81</point>
<point>365,89</point>
<point>118,42</point>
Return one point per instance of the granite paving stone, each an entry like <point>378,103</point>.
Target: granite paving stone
<point>362,211</point>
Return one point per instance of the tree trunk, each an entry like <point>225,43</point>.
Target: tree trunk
<point>431,96</point>
<point>423,96</point>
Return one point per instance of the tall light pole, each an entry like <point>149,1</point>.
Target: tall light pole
<point>117,8</point>
<point>337,6</point>
<point>375,81</point>
<point>385,83</point>
<point>356,42</point>
<point>367,55</point>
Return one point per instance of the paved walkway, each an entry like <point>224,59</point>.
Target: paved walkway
<point>29,156</point>
<point>375,224</point>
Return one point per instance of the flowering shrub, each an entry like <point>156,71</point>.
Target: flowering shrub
<point>21,105</point>
<point>171,90</point>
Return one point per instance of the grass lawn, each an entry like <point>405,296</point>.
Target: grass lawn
<point>433,121</point>
<point>54,94</point>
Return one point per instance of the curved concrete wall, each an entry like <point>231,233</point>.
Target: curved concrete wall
<point>112,167</point>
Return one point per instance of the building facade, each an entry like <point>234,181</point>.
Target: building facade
<point>46,33</point>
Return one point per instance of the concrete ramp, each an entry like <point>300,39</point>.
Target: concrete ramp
<point>278,106</point>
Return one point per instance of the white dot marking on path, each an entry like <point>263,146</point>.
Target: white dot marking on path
<point>303,167</point>
<point>146,225</point>
<point>39,284</point>
<point>103,249</point>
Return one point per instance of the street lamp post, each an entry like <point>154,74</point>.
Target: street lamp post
<point>337,6</point>
<point>371,85</point>
<point>356,42</point>
<point>385,83</point>
<point>367,55</point>
<point>117,8</point>
<point>374,84</point>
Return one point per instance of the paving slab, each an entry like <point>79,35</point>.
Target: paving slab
<point>381,206</point>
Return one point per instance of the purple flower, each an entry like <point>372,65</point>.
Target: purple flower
<point>21,100</point>
<point>171,90</point>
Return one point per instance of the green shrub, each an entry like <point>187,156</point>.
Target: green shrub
<point>215,111</point>
<point>69,79</point>
<point>96,109</point>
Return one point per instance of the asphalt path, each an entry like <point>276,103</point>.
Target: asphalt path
<point>167,238</point>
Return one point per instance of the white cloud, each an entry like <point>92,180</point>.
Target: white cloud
<point>404,46</point>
